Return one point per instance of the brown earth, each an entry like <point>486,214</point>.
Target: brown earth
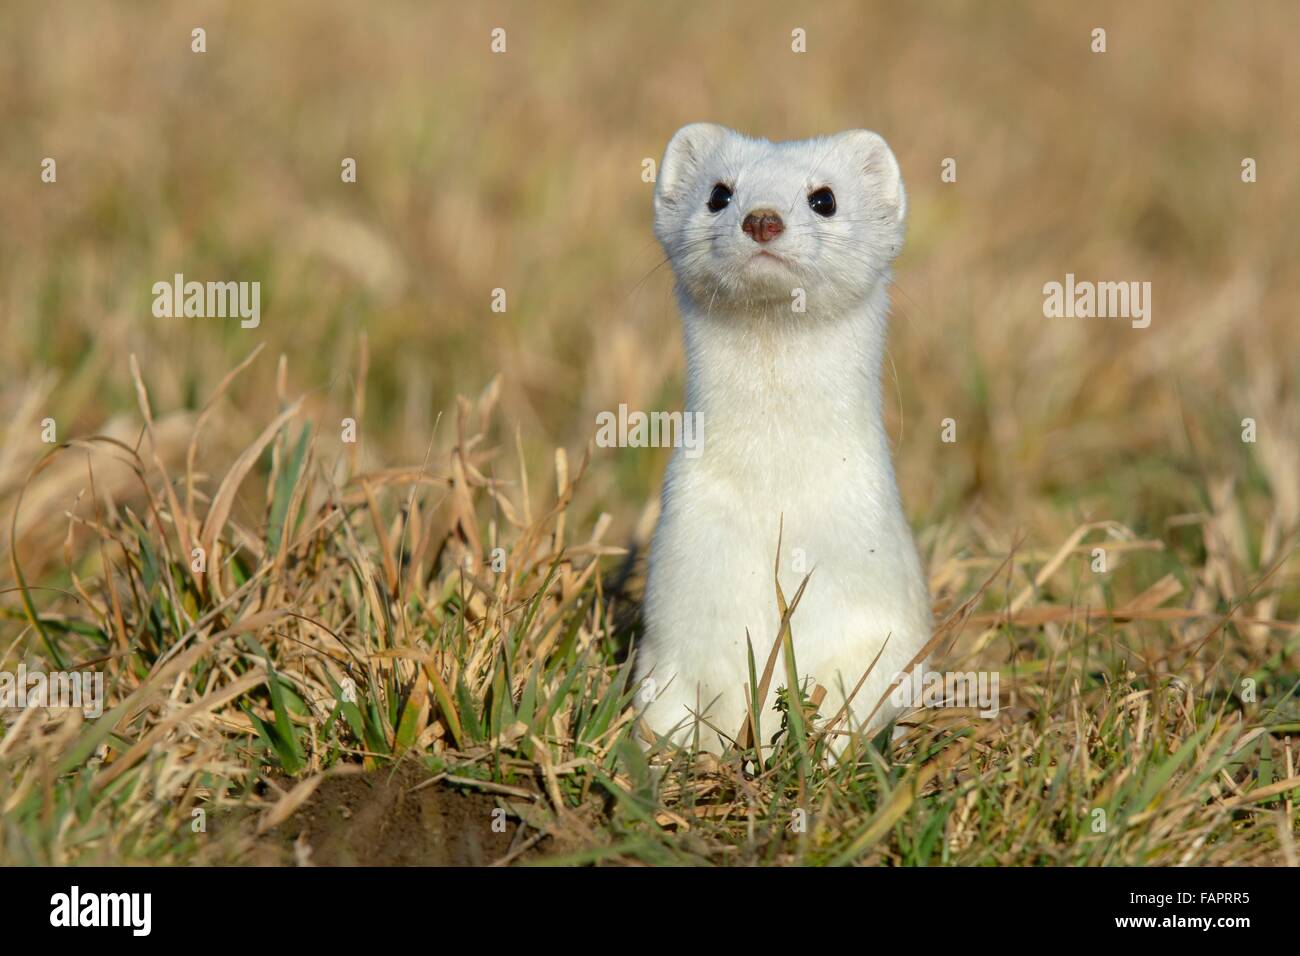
<point>396,818</point>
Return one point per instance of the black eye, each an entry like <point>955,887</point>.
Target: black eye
<point>719,198</point>
<point>822,201</point>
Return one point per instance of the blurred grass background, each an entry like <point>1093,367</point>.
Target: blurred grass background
<point>523,171</point>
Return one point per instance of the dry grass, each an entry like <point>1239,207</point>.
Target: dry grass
<point>227,686</point>
<point>327,561</point>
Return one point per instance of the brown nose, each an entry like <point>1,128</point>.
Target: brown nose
<point>762,225</point>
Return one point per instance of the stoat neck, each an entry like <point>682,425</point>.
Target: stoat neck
<point>748,372</point>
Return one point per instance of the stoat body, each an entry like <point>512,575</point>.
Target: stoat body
<point>795,443</point>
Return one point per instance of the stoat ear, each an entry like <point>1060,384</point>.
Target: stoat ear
<point>872,155</point>
<point>686,151</point>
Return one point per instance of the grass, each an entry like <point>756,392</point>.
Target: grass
<point>349,617</point>
<point>362,621</point>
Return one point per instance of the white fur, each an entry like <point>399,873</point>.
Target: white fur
<point>791,407</point>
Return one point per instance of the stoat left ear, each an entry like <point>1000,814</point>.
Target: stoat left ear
<point>687,151</point>
<point>871,154</point>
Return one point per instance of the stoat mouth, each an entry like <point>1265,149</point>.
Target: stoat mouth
<point>764,254</point>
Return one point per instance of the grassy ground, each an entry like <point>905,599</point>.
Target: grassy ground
<point>350,644</point>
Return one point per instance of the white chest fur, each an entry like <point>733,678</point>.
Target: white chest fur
<point>793,439</point>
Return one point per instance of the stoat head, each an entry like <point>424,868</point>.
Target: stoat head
<point>749,223</point>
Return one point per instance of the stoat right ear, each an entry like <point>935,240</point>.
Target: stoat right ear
<point>686,151</point>
<point>872,155</point>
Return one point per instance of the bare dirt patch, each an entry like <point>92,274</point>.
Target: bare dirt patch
<point>397,818</point>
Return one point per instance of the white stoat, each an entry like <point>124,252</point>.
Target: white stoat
<point>782,254</point>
